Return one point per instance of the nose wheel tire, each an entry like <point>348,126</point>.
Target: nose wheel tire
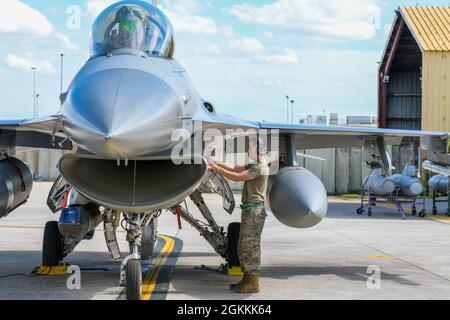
<point>52,246</point>
<point>133,274</point>
<point>233,241</point>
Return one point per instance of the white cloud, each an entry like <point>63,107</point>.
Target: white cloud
<point>65,41</point>
<point>193,24</point>
<point>185,17</point>
<point>25,64</point>
<point>95,7</point>
<point>245,44</point>
<point>209,49</point>
<point>347,19</point>
<point>19,18</point>
<point>288,56</point>
<point>262,81</point>
<point>269,35</point>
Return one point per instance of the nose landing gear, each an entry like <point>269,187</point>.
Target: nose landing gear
<point>131,277</point>
<point>131,270</point>
<point>141,231</point>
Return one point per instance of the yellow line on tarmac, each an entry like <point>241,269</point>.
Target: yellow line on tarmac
<point>20,227</point>
<point>151,277</point>
<point>379,257</point>
<point>439,218</point>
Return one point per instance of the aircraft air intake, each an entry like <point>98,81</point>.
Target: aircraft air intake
<point>140,186</point>
<point>297,198</point>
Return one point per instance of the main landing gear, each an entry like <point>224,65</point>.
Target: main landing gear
<point>52,246</point>
<point>141,236</point>
<point>225,244</point>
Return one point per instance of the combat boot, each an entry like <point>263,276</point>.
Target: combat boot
<point>250,284</point>
<point>244,279</point>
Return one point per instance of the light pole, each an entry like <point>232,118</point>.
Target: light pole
<point>34,90</point>
<point>287,109</point>
<point>37,105</point>
<point>292,102</point>
<point>62,70</point>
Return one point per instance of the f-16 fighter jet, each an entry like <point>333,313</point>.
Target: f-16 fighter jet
<point>137,128</point>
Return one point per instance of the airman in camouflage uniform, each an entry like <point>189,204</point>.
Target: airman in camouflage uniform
<point>253,215</point>
<point>249,247</point>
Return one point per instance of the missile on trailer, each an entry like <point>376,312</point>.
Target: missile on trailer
<point>409,186</point>
<point>408,183</point>
<point>439,184</point>
<point>379,184</point>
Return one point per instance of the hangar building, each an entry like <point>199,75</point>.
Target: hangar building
<point>414,72</point>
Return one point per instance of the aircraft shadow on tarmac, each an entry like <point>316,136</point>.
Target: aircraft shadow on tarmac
<point>285,272</point>
<point>349,273</point>
<point>188,280</point>
<point>93,281</point>
<point>192,283</point>
<point>348,211</point>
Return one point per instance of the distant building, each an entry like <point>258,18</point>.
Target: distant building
<point>414,73</point>
<point>334,119</point>
<point>321,120</point>
<point>360,120</point>
<point>310,119</point>
<point>302,121</point>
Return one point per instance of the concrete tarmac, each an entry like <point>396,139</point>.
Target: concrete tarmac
<point>338,259</point>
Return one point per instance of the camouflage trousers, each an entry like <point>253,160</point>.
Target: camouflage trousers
<point>249,247</point>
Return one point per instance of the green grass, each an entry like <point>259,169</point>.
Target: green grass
<point>350,195</point>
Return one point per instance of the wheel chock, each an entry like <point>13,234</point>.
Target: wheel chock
<point>51,271</point>
<point>235,272</point>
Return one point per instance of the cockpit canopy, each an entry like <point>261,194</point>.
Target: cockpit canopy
<point>134,25</point>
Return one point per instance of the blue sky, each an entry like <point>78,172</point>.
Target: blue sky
<point>243,55</point>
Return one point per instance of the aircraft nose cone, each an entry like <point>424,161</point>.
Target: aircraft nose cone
<point>121,113</point>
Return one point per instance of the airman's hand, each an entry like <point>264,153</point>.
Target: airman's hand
<point>214,168</point>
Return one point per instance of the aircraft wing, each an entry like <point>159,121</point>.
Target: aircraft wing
<point>42,133</point>
<point>314,136</point>
<point>223,122</point>
<point>320,137</point>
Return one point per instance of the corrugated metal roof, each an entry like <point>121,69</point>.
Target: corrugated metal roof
<point>429,25</point>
